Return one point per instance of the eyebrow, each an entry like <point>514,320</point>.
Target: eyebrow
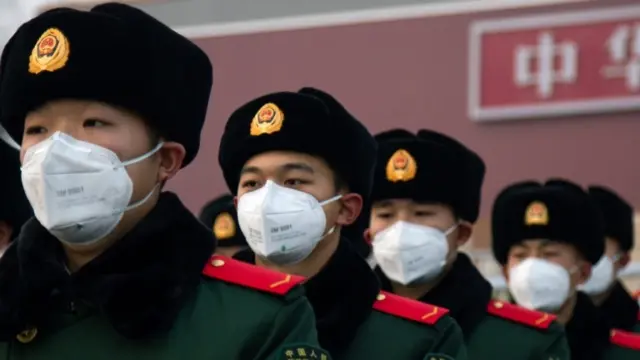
<point>281,168</point>
<point>297,166</point>
<point>383,203</point>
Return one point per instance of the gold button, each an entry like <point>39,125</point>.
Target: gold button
<point>27,336</point>
<point>498,304</point>
<point>217,262</point>
<point>381,297</point>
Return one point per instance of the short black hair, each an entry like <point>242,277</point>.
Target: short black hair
<point>339,183</point>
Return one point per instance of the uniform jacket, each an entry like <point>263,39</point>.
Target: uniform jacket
<point>621,309</point>
<point>146,297</point>
<point>592,338</point>
<point>493,329</point>
<point>356,321</point>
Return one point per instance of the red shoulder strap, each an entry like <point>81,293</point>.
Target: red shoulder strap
<point>520,315</point>
<point>625,339</point>
<point>408,309</point>
<point>636,295</point>
<point>251,276</point>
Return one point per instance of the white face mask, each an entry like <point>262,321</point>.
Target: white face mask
<point>78,190</point>
<point>539,284</point>
<point>602,277</point>
<point>409,253</point>
<point>280,224</point>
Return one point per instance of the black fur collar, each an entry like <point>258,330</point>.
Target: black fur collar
<point>587,331</point>
<point>139,284</point>
<point>463,290</point>
<point>341,294</point>
<point>620,308</point>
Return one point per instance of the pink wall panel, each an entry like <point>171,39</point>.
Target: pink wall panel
<point>411,73</point>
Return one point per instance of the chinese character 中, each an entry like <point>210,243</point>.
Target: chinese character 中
<point>545,75</point>
<point>623,47</point>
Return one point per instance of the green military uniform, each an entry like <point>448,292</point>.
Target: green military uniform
<point>145,297</point>
<point>624,346</point>
<point>447,172</point>
<point>620,307</point>
<point>354,320</point>
<point>561,211</point>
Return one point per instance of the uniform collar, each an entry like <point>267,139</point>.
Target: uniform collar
<point>139,284</point>
<point>463,290</point>
<point>341,294</point>
<point>620,308</point>
<point>587,331</point>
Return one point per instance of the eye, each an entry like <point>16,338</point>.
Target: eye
<point>95,123</point>
<point>384,215</point>
<point>35,130</point>
<point>249,184</point>
<point>550,253</point>
<point>294,182</point>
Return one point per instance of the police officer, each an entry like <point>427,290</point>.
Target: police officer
<point>220,215</point>
<point>547,237</point>
<point>606,291</point>
<point>14,207</point>
<point>301,167</point>
<point>109,105</point>
<point>426,197</point>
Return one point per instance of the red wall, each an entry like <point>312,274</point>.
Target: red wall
<point>411,73</point>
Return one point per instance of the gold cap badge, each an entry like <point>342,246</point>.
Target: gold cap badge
<point>51,52</point>
<point>536,214</point>
<point>224,227</point>
<point>267,120</point>
<point>401,166</point>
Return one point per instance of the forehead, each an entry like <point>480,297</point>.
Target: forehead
<point>275,160</point>
<point>71,108</point>
<point>399,203</point>
<point>535,244</point>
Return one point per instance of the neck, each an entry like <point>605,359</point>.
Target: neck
<point>566,311</point>
<point>599,299</point>
<point>415,291</point>
<point>313,263</point>
<point>80,255</point>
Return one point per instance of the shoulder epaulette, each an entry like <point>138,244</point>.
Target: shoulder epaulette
<point>251,276</point>
<point>408,309</point>
<point>520,315</point>
<point>625,339</point>
<point>636,295</point>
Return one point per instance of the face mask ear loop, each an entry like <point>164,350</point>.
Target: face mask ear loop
<point>134,161</point>
<point>137,203</point>
<point>615,258</point>
<point>330,200</point>
<point>452,228</point>
<point>333,228</point>
<point>143,156</point>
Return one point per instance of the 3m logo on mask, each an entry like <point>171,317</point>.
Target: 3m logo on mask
<point>267,120</point>
<point>401,166</point>
<point>536,214</point>
<point>51,52</point>
<point>224,227</point>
